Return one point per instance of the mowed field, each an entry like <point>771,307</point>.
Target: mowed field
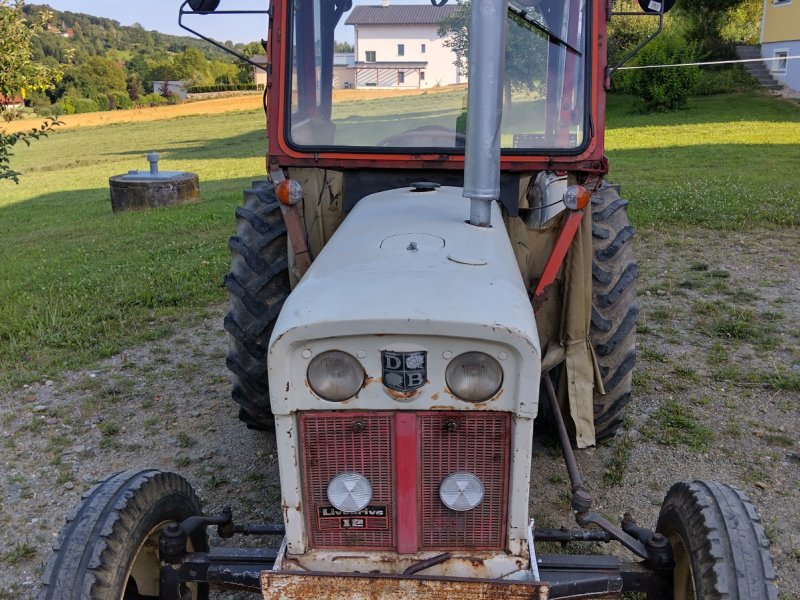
<point>213,106</point>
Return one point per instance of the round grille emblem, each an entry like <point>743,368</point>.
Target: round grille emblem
<point>349,492</point>
<point>461,491</point>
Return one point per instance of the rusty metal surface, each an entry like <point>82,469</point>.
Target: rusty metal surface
<point>319,586</point>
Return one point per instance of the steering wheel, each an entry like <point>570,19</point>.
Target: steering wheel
<point>434,136</point>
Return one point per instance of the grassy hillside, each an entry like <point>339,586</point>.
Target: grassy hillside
<point>78,282</point>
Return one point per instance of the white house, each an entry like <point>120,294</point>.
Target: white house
<point>259,74</point>
<point>398,46</point>
<point>780,39</point>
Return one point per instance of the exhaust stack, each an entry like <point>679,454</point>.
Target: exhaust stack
<point>484,108</point>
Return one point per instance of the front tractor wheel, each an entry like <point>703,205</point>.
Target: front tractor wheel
<point>108,550</point>
<point>614,307</point>
<point>718,544</point>
<point>258,285</point>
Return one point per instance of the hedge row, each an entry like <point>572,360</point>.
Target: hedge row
<point>236,87</point>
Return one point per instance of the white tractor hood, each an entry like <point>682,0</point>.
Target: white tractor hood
<point>405,265</point>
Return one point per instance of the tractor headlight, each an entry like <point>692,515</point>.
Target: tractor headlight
<point>350,492</point>
<point>474,376</point>
<point>335,375</point>
<point>461,491</point>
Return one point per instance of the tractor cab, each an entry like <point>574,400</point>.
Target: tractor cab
<point>386,86</point>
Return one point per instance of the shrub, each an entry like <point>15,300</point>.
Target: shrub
<point>122,101</point>
<point>104,102</point>
<point>151,100</point>
<point>84,105</point>
<point>717,80</point>
<point>668,88</point>
<point>234,87</point>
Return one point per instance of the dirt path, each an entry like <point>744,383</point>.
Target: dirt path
<point>716,396</point>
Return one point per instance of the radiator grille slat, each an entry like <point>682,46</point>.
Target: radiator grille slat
<point>464,441</point>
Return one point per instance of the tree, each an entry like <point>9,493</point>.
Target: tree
<point>19,74</point>
<point>705,20</point>
<point>96,75</point>
<point>526,50</point>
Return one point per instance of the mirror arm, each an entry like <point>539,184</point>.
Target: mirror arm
<point>182,11</point>
<point>610,70</point>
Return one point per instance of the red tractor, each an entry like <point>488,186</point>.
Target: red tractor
<point>434,262</point>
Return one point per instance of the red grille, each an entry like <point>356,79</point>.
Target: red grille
<point>335,443</point>
<point>476,442</point>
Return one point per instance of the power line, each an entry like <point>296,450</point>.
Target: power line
<point>702,64</point>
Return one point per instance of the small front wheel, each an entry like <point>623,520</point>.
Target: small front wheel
<point>718,543</point>
<point>108,550</point>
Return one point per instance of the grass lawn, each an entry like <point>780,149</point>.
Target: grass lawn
<point>728,162</point>
<point>79,282</point>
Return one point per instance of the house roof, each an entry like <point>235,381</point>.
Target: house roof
<point>10,100</point>
<point>402,14</point>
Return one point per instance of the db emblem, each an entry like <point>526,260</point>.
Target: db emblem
<point>404,371</point>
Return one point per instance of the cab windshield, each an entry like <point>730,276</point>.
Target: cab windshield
<point>374,77</point>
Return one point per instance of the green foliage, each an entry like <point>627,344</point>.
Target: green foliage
<point>151,100</point>
<point>18,72</point>
<point>526,49</point>
<point>75,106</point>
<point>704,21</point>
<point>18,75</point>
<point>625,33</point>
<point>96,75</point>
<point>722,80</point>
<point>664,89</point>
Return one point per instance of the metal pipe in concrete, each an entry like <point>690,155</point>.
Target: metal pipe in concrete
<point>153,158</point>
<point>487,44</point>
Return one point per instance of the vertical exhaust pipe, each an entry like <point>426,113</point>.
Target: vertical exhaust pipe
<point>484,108</point>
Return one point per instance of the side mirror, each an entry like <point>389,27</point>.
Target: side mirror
<point>654,6</point>
<point>203,5</point>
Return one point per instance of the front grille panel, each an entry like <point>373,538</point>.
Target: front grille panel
<point>335,443</point>
<point>477,442</point>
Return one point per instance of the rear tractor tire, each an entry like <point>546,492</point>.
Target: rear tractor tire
<point>258,285</point>
<point>108,550</point>
<point>614,307</point>
<point>718,544</point>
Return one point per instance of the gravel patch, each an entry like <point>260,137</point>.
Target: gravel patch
<point>166,405</point>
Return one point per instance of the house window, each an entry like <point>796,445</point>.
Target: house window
<point>370,55</point>
<point>401,77</point>
<point>422,75</point>
<point>422,49</point>
<point>779,65</point>
<point>401,49</point>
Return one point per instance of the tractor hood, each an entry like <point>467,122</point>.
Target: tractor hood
<point>403,266</point>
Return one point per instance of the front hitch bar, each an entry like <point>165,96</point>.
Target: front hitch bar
<point>654,548</point>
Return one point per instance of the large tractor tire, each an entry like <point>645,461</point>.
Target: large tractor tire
<point>718,544</point>
<point>614,307</point>
<point>108,550</point>
<point>258,285</point>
